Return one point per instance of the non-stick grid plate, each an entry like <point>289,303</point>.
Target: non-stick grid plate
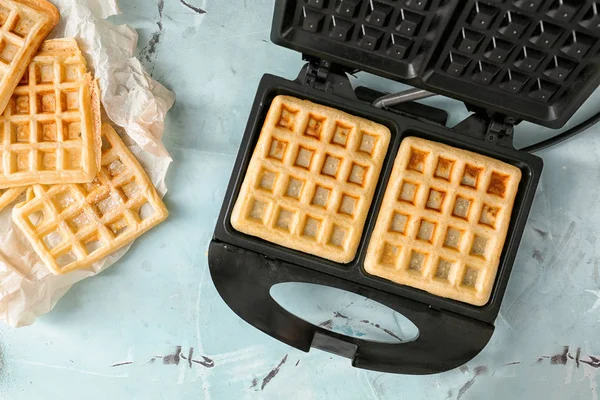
<point>536,60</point>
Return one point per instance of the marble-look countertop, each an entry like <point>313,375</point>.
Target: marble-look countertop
<point>154,327</point>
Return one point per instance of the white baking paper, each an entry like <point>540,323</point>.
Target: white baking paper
<point>135,103</point>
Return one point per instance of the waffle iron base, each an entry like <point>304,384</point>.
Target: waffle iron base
<point>244,268</point>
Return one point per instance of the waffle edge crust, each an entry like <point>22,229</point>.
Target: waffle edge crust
<point>7,196</point>
<point>443,221</point>
<point>73,226</point>
<point>311,179</point>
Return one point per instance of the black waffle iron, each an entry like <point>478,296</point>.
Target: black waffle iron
<point>508,60</point>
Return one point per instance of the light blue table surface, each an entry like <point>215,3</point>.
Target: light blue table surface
<point>114,336</point>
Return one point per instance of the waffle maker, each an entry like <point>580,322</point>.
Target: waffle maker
<point>507,60</point>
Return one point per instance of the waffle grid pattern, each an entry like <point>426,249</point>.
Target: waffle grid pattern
<point>23,26</point>
<point>538,50</point>
<point>402,32</point>
<point>73,226</point>
<point>48,130</point>
<point>311,180</point>
<point>534,60</point>
<point>443,221</point>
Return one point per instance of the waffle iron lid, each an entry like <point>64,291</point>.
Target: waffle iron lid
<point>534,60</point>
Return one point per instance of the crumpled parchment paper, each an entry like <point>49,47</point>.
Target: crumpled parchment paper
<point>134,102</point>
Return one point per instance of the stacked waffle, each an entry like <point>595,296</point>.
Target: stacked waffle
<point>86,194</point>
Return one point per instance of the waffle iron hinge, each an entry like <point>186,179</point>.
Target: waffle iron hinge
<point>495,128</point>
<point>500,129</point>
<point>323,75</point>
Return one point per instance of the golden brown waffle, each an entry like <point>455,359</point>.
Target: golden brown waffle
<point>24,24</point>
<point>311,179</point>
<point>73,226</point>
<point>50,131</point>
<point>443,221</point>
<point>7,196</point>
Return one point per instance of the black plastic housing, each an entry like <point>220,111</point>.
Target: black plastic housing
<point>534,60</point>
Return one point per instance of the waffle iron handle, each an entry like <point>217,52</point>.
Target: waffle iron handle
<point>244,278</point>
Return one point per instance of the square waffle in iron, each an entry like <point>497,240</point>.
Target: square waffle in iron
<point>73,226</point>
<point>7,196</point>
<point>50,131</point>
<point>24,24</point>
<point>311,179</point>
<point>443,221</point>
